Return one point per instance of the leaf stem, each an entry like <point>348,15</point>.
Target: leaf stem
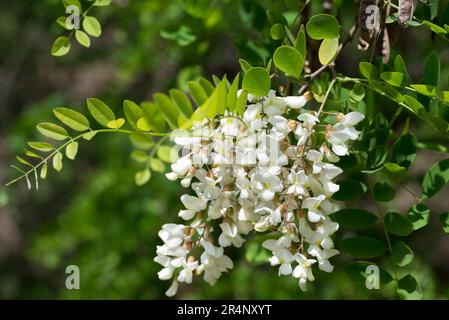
<point>58,149</point>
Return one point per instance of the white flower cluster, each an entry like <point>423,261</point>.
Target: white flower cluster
<point>262,172</point>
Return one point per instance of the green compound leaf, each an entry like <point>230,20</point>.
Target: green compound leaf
<point>231,100</point>
<point>92,26</point>
<point>82,38</point>
<point>71,150</point>
<point>368,70</point>
<point>350,190</point>
<point>61,46</point>
<point>182,103</point>
<point>165,153</point>
<point>288,60</point>
<point>401,254</point>
<point>436,178</point>
<point>395,172</point>
<point>71,118</point>
<point>41,146</point>
<point>257,81</point>
<point>100,111</point>
<point>356,219</point>
<point>363,247</point>
<point>116,124</point>
<point>384,192</point>
<point>157,165</point>
<point>393,78</point>
<point>142,177</point>
<point>398,225</point>
<point>132,112</point>
<point>419,216</point>
<point>57,161</point>
<point>409,288</point>
<point>277,31</point>
<point>328,51</point>
<point>102,3</point>
<point>404,150</point>
<point>153,116</point>
<point>425,89</point>
<point>52,131</point>
<point>444,219</point>
<point>323,26</point>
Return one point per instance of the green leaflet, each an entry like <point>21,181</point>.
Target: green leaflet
<point>286,59</point>
<point>257,81</point>
<point>436,178</point>
<point>363,247</point>
<point>401,254</point>
<point>323,26</point>
<point>71,150</point>
<point>71,118</point>
<point>100,111</point>
<point>52,131</point>
<point>92,26</point>
<point>132,112</point>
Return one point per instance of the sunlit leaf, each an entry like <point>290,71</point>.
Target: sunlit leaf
<point>71,118</point>
<point>52,131</point>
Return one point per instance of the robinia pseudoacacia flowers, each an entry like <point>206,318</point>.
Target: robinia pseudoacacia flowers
<point>271,170</point>
<point>267,166</point>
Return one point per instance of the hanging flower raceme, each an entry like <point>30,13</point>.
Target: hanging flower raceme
<point>260,172</point>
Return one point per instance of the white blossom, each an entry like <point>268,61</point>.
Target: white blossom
<point>257,172</point>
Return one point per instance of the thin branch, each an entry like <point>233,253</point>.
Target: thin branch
<point>61,147</point>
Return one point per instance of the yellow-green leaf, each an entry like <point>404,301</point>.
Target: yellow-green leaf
<point>142,177</point>
<point>116,124</point>
<point>82,38</point>
<point>44,171</point>
<point>132,112</point>
<point>92,26</point>
<point>71,150</point>
<point>57,161</point>
<point>71,118</point>
<point>41,146</point>
<point>52,131</point>
<point>165,153</point>
<point>328,51</point>
<point>61,46</point>
<point>100,111</point>
<point>142,124</point>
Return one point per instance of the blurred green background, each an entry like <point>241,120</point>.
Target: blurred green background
<point>92,215</point>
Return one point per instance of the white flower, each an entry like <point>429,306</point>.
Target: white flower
<point>214,262</point>
<point>351,119</point>
<point>297,102</point>
<point>312,205</point>
<point>186,274</point>
<point>182,166</point>
<point>281,256</point>
<point>230,235</point>
<point>259,172</point>
<point>193,205</point>
<point>309,120</point>
<point>266,186</point>
<point>303,270</point>
<point>229,126</point>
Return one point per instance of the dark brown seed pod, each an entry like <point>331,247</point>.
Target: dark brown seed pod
<point>406,8</point>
